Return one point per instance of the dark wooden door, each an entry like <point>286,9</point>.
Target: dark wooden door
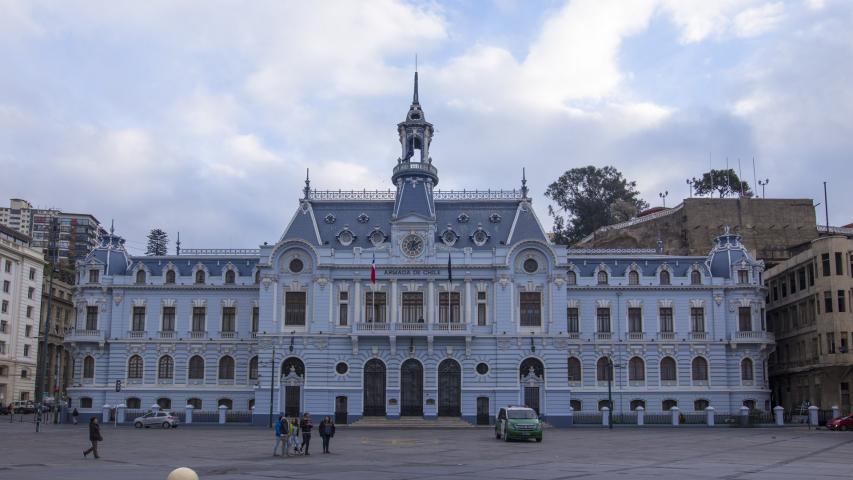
<point>449,389</point>
<point>411,388</point>
<point>291,401</point>
<point>531,398</point>
<point>374,388</point>
<point>483,410</point>
<point>341,410</point>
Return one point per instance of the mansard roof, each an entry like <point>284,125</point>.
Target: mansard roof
<point>186,264</point>
<point>647,266</point>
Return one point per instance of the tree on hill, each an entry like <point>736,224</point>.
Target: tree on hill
<point>587,198</point>
<point>724,182</point>
<point>158,242</point>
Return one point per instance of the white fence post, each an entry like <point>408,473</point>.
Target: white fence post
<point>813,415</point>
<point>105,414</point>
<point>641,415</point>
<point>222,410</point>
<point>675,419</point>
<point>120,412</point>
<point>570,416</point>
<point>779,415</point>
<point>605,416</point>
<point>189,414</point>
<point>709,415</point>
<point>835,412</point>
<point>155,408</point>
<point>744,415</point>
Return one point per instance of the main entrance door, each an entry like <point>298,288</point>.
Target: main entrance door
<point>341,410</point>
<point>483,410</point>
<point>531,398</point>
<point>411,388</point>
<point>449,388</point>
<point>291,400</point>
<point>374,388</point>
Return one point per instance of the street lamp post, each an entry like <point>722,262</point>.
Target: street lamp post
<point>663,195</point>
<point>763,184</point>
<point>611,370</point>
<point>690,184</point>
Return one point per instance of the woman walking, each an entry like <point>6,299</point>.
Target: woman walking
<point>306,432</point>
<point>74,415</point>
<point>293,436</point>
<point>327,431</point>
<point>94,437</point>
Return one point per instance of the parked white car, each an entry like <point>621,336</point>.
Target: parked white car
<point>162,419</point>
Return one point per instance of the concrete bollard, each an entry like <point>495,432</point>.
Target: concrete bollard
<point>813,415</point>
<point>709,415</point>
<point>120,408</point>
<point>674,411</point>
<point>605,416</point>
<point>835,412</point>
<point>105,414</point>
<point>779,415</point>
<point>744,416</point>
<point>155,408</point>
<point>570,416</point>
<point>188,417</point>
<point>222,410</point>
<point>641,416</point>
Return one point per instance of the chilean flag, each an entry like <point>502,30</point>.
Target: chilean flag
<point>373,270</point>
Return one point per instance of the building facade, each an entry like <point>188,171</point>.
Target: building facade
<point>56,301</point>
<point>21,270</point>
<point>469,308</point>
<point>809,312</point>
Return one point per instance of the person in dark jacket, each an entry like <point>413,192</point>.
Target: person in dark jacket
<point>94,437</point>
<point>74,415</point>
<point>327,431</point>
<point>306,427</point>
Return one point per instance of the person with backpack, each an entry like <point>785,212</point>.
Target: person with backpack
<point>279,439</point>
<point>94,437</point>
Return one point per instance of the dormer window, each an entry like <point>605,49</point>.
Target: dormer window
<point>665,278</point>
<point>230,277</point>
<point>695,278</point>
<point>602,277</point>
<point>345,237</point>
<point>199,276</point>
<point>94,275</point>
<point>140,277</point>
<point>742,276</point>
<point>480,237</point>
<point>633,278</point>
<point>571,278</point>
<point>377,237</point>
<point>170,277</point>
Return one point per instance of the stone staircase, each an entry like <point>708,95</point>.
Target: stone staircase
<point>410,422</point>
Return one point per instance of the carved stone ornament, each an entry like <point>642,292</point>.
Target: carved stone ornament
<point>463,218</point>
<point>495,218</point>
<point>330,219</point>
<point>363,218</point>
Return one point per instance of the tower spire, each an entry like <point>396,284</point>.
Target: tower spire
<point>178,245</point>
<point>524,188</point>
<point>307,189</point>
<point>415,96</point>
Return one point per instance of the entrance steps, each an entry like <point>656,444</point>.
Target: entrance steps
<point>410,422</point>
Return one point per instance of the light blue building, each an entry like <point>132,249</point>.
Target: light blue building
<point>298,325</point>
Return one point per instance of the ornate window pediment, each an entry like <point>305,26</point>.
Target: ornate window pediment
<point>345,237</point>
<point>480,237</point>
<point>449,236</point>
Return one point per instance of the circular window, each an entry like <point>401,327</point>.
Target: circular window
<point>296,265</point>
<point>342,368</point>
<point>482,368</point>
<point>345,237</point>
<point>530,265</point>
<point>480,237</point>
<point>377,237</point>
<point>412,245</point>
<point>448,237</point>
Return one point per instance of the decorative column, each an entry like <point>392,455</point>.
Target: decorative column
<point>467,316</point>
<point>779,415</point>
<point>394,318</point>
<point>431,302</point>
<point>356,312</point>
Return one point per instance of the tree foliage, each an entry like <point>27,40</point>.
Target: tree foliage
<point>158,242</point>
<point>724,182</point>
<point>587,198</point>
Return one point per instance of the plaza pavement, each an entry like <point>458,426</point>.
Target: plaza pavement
<point>232,452</point>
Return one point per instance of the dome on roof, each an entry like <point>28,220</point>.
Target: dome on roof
<point>728,251</point>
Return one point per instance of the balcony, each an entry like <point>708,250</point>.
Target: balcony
<point>84,335</point>
<point>636,336</point>
<point>136,334</point>
<point>666,335</point>
<point>167,334</point>
<point>698,335</point>
<point>573,335</point>
<point>228,335</point>
<point>197,335</point>
<point>752,337</point>
<point>604,335</point>
<point>412,328</point>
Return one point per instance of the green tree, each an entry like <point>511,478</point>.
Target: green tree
<point>587,198</point>
<point>158,242</point>
<point>724,182</point>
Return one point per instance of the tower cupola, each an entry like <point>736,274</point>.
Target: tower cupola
<point>415,138</point>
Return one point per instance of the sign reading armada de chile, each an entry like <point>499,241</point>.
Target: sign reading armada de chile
<point>412,272</point>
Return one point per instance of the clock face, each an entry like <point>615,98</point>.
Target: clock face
<point>412,245</point>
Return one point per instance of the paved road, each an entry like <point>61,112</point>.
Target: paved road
<point>590,453</point>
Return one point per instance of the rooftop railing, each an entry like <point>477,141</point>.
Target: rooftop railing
<point>390,195</point>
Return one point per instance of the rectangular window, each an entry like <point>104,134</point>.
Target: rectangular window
<point>199,314</point>
<point>92,318</point>
<point>697,319</point>
<point>603,320</point>
<point>666,324</point>
<point>744,315</point>
<point>28,331</point>
<point>32,273</point>
<point>138,324</point>
<point>2,348</point>
<point>5,307</point>
<point>801,278</point>
<point>839,263</point>
<point>811,274</point>
<point>784,289</point>
<point>827,302</point>
<point>26,350</point>
<point>481,308</point>
<point>343,308</point>
<point>573,320</point>
<point>452,309</point>
<point>531,309</point>
<point>830,342</point>
<point>229,319</point>
<point>824,259</point>
<point>256,319</point>
<point>743,277</point>
<point>374,307</point>
<point>294,308</point>
<point>168,319</point>
<point>93,276</point>
<point>775,292</point>
<point>4,325</point>
<point>8,266</point>
<point>413,307</point>
<point>842,305</point>
<point>6,286</point>
<point>844,346</point>
<point>635,320</point>
<point>30,292</point>
<point>29,311</point>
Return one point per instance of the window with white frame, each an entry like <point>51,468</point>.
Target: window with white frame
<point>744,319</point>
<point>665,277</point>
<point>700,369</point>
<point>668,373</point>
<point>633,277</point>
<point>91,317</point>
<point>636,370</point>
<point>574,369</point>
<point>413,307</point>
<point>481,308</point>
<point>94,275</point>
<point>89,367</point>
<point>695,278</point>
<point>168,319</point>
<point>170,277</point>
<point>603,370</point>
<point>603,319</point>
<point>746,370</point>
<point>375,307</point>
<point>666,321</point>
<point>295,308</point>
<point>226,368</point>
<point>343,308</point>
<point>571,278</point>
<point>199,314</point>
<point>138,320</point>
<point>166,368</point>
<point>134,368</point>
<point>253,368</point>
<point>572,320</point>
<point>229,319</point>
<point>697,319</point>
<point>451,308</point>
<point>635,320</point>
<point>256,319</point>
<point>602,277</point>
<point>196,368</point>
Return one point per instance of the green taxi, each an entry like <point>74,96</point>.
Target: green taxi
<point>518,423</point>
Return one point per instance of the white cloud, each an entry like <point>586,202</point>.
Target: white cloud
<point>756,21</point>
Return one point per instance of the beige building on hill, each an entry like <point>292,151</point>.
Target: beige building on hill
<point>809,311</point>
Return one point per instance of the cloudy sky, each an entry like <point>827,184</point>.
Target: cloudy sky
<point>202,116</point>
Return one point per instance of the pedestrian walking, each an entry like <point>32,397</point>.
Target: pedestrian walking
<point>94,437</point>
<point>306,432</point>
<point>279,439</point>
<point>74,415</point>
<point>294,436</point>
<point>327,431</point>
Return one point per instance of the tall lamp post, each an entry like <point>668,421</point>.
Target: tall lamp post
<point>663,195</point>
<point>690,184</point>
<point>611,370</point>
<point>763,184</point>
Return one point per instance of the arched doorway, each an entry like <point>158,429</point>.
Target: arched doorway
<point>411,388</point>
<point>531,376</point>
<point>374,388</point>
<point>292,379</point>
<point>449,388</point>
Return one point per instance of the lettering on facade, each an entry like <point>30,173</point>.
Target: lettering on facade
<point>411,272</point>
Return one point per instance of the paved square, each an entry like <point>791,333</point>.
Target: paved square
<point>377,454</point>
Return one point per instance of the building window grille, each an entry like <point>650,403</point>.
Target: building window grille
<point>635,320</point>
<point>602,277</point>
<point>295,304</point>
<point>229,319</point>
<point>531,309</point>
<point>743,278</point>
<point>697,319</point>
<point>667,370</point>
<point>170,277</point>
<point>700,369</point>
<point>572,320</point>
<point>666,322</point>
<point>574,369</point>
<point>140,277</point>
<point>166,368</point>
<point>636,370</point>
<point>413,307</point>
<point>603,319</point>
<point>94,275</point>
<point>196,368</point>
<point>199,276</point>
<point>199,314</point>
<point>374,307</point>
<point>452,309</point>
<point>633,278</point>
<point>168,319</point>
<point>571,278</point>
<point>92,318</point>
<point>138,323</point>
<point>744,315</point>
<point>226,368</point>
<point>85,402</point>
<point>134,367</point>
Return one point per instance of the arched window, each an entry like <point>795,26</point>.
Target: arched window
<point>576,405</point>
<point>664,277</point>
<point>701,404</point>
<point>257,277</point>
<point>196,368</point>
<point>637,403</point>
<point>166,367</point>
<point>140,276</point>
<point>195,402</point>
<point>535,364</point>
<point>667,370</point>
<point>574,369</point>
<point>602,277</point>
<point>164,403</point>
<point>226,368</point>
<point>229,277</point>
<point>604,403</point>
<point>750,404</point>
<point>636,370</point>
<point>293,363</point>
<point>253,368</point>
<point>668,404</point>
<point>134,367</point>
<point>700,369</point>
<point>695,278</point>
<point>89,367</point>
<point>572,278</point>
<point>746,373</point>
<point>603,370</point>
<point>199,276</point>
<point>170,276</point>
<point>225,401</point>
<point>133,403</point>
<point>633,278</point>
